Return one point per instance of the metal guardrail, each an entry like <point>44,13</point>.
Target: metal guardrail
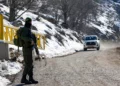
<point>7,34</point>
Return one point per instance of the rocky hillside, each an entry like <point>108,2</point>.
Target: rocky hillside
<point>107,24</point>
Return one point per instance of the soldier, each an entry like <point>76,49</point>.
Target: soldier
<point>28,44</point>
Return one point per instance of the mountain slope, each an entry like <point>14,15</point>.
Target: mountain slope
<point>60,41</point>
<point>107,24</point>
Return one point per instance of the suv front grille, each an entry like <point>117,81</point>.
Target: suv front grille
<point>90,43</point>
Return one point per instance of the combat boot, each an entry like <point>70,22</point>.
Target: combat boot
<point>32,80</point>
<point>25,81</point>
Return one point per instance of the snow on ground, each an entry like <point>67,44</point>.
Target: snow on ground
<point>4,81</point>
<point>8,68</point>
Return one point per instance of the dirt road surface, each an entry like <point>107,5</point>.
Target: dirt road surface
<point>84,68</point>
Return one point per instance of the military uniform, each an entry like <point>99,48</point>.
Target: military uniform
<point>26,36</point>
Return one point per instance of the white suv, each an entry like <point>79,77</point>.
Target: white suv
<point>91,41</point>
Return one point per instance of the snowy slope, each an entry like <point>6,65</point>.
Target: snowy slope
<point>57,43</point>
<point>107,23</point>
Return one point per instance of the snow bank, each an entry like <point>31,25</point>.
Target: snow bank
<point>4,81</point>
<point>8,68</point>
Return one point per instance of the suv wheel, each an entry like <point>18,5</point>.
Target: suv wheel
<point>98,48</point>
<point>85,49</point>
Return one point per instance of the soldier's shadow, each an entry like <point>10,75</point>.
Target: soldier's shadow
<point>20,84</point>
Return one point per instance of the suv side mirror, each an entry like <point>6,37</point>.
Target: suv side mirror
<point>83,38</point>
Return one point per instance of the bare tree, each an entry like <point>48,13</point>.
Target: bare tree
<point>82,13</point>
<point>16,6</point>
<point>74,13</point>
<point>61,7</point>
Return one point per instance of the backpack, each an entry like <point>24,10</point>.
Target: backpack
<point>17,38</point>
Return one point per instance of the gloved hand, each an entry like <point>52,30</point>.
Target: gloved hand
<point>38,58</point>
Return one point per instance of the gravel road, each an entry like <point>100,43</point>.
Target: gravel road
<point>84,68</point>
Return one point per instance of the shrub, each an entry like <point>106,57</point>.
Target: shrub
<point>48,35</point>
<point>62,32</point>
<point>59,38</point>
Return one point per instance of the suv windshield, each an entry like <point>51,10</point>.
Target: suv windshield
<point>91,38</point>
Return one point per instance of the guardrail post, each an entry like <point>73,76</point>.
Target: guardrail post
<point>1,27</point>
<point>4,51</point>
